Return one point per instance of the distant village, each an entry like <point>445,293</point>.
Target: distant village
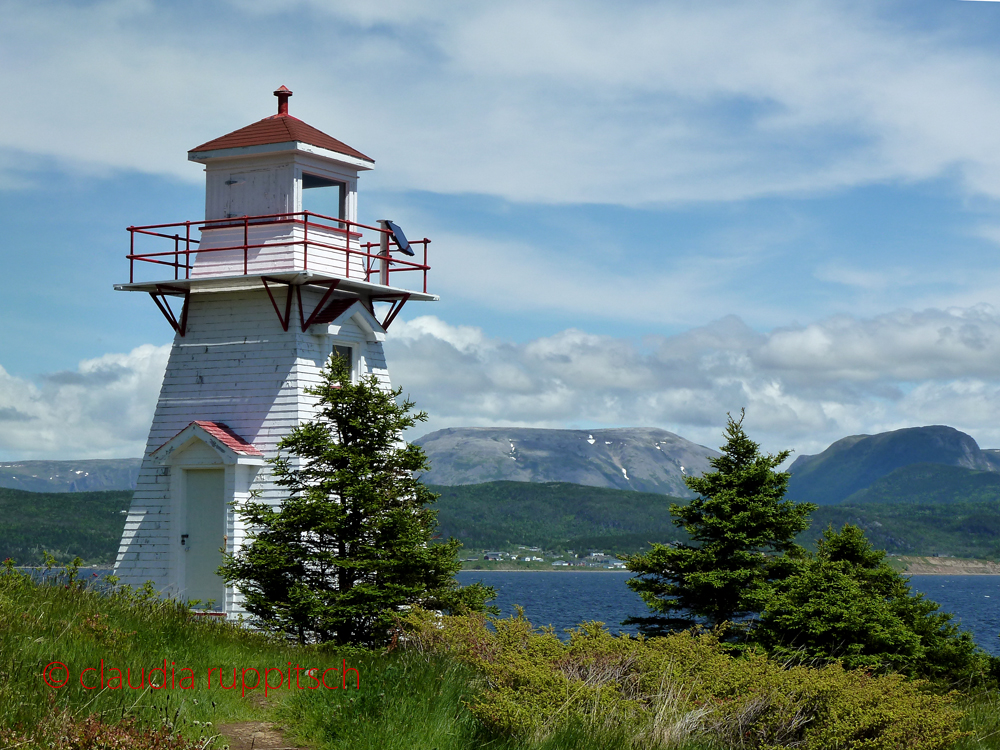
<point>524,554</point>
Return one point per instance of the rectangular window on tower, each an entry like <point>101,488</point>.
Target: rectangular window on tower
<point>324,196</point>
<point>347,354</point>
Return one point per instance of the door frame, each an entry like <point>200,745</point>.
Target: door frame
<point>186,452</point>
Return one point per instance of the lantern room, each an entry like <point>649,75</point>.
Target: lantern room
<point>280,165</point>
<point>281,205</point>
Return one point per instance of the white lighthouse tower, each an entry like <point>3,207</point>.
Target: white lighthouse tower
<point>259,294</point>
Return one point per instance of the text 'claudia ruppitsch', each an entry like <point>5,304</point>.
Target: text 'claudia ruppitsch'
<point>172,677</point>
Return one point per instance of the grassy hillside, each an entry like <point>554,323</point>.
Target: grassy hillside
<point>554,516</point>
<point>930,484</point>
<point>66,524</point>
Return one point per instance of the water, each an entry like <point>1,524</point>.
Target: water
<point>974,600</point>
<point>563,600</point>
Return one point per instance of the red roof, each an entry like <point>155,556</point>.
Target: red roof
<point>223,434</point>
<point>280,128</point>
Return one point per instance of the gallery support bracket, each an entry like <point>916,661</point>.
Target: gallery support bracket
<point>396,304</point>
<point>160,298</point>
<point>179,322</point>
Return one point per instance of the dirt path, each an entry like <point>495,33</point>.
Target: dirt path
<point>255,735</point>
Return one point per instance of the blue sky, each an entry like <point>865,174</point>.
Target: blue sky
<point>642,213</point>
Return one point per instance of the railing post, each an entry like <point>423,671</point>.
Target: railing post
<point>246,241</point>
<point>187,250</point>
<point>425,265</point>
<point>383,251</point>
<point>305,242</point>
<point>131,255</point>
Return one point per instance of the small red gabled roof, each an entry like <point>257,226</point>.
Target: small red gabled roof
<point>227,437</point>
<point>280,128</point>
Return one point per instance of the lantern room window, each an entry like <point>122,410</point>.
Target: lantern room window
<point>324,196</point>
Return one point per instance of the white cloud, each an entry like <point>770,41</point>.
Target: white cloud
<point>547,101</point>
<point>102,409</point>
<point>803,387</point>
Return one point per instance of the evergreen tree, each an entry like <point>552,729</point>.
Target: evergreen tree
<point>351,544</point>
<point>846,603</point>
<point>742,533</point>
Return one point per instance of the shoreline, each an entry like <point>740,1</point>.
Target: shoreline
<point>540,570</point>
<point>916,565</point>
<point>909,565</point>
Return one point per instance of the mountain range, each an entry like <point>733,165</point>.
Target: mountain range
<point>642,459</point>
<point>84,475</point>
<point>931,464</point>
<point>859,468</point>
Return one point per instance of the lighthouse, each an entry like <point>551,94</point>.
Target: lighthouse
<point>276,278</point>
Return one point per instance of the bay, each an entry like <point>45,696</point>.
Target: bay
<point>565,599</point>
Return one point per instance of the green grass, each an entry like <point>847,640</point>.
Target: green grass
<point>982,722</point>
<point>415,700</point>
<point>66,623</point>
<point>406,700</point>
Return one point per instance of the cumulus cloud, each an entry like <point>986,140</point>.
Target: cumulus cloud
<point>102,409</point>
<point>803,387</point>
<point>546,101</point>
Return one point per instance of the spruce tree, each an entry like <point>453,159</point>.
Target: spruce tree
<point>742,534</point>
<point>846,603</point>
<point>352,543</point>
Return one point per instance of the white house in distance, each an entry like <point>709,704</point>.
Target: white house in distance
<point>278,276</point>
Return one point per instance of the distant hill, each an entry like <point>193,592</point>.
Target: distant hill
<point>554,516</point>
<point>854,463</point>
<point>88,524</point>
<point>637,459</point>
<point>559,516</point>
<point>85,475</point>
<point>958,528</point>
<point>930,484</point>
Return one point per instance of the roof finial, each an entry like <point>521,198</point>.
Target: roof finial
<point>282,93</point>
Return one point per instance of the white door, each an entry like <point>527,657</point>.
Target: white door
<point>204,536</point>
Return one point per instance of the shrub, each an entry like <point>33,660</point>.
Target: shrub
<point>679,689</point>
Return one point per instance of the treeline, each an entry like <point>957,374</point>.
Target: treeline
<point>66,524</point>
<point>561,516</point>
<point>554,515</point>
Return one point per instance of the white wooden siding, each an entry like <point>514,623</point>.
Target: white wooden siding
<point>237,366</point>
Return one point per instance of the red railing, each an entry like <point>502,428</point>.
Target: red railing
<point>348,238</point>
